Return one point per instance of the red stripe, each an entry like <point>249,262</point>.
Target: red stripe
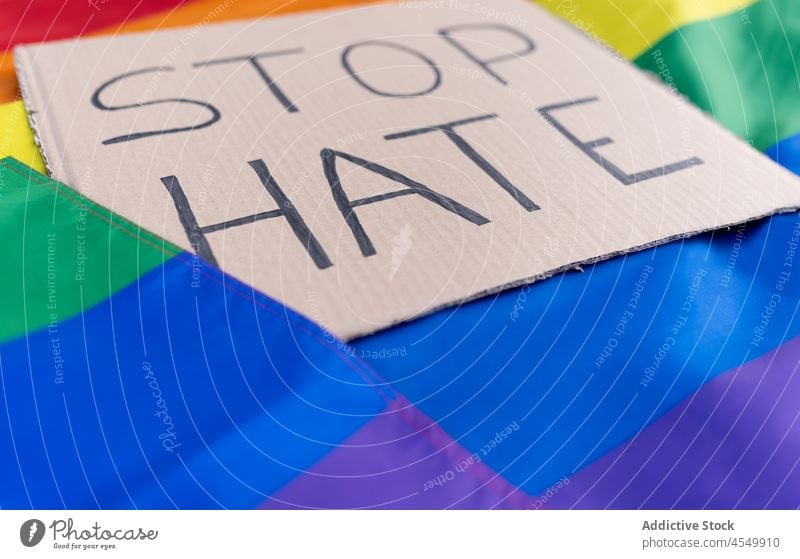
<point>33,21</point>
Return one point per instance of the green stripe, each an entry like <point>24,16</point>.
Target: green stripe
<point>741,68</point>
<point>63,253</point>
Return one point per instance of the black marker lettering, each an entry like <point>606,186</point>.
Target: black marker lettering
<point>215,115</point>
<point>286,209</point>
<point>347,206</point>
<point>437,76</point>
<point>187,218</point>
<point>589,148</point>
<point>486,63</point>
<point>253,60</point>
<point>448,128</point>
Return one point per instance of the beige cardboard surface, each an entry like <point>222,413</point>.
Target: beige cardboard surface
<point>369,166</point>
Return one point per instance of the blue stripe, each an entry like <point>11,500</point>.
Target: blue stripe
<point>562,360</point>
<point>254,394</point>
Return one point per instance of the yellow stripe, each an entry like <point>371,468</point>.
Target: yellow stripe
<point>633,26</point>
<point>16,136</point>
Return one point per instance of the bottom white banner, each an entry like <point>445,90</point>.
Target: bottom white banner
<point>401,534</point>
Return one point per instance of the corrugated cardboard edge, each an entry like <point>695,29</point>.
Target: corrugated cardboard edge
<point>577,267</point>
<point>27,94</point>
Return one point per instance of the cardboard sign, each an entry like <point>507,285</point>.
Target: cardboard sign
<point>372,165</point>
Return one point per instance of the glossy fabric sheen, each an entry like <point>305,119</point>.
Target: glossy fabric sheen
<point>174,394</point>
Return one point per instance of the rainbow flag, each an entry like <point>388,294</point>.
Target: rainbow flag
<point>136,375</point>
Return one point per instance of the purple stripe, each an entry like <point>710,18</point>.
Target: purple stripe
<point>735,443</point>
<point>399,460</point>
